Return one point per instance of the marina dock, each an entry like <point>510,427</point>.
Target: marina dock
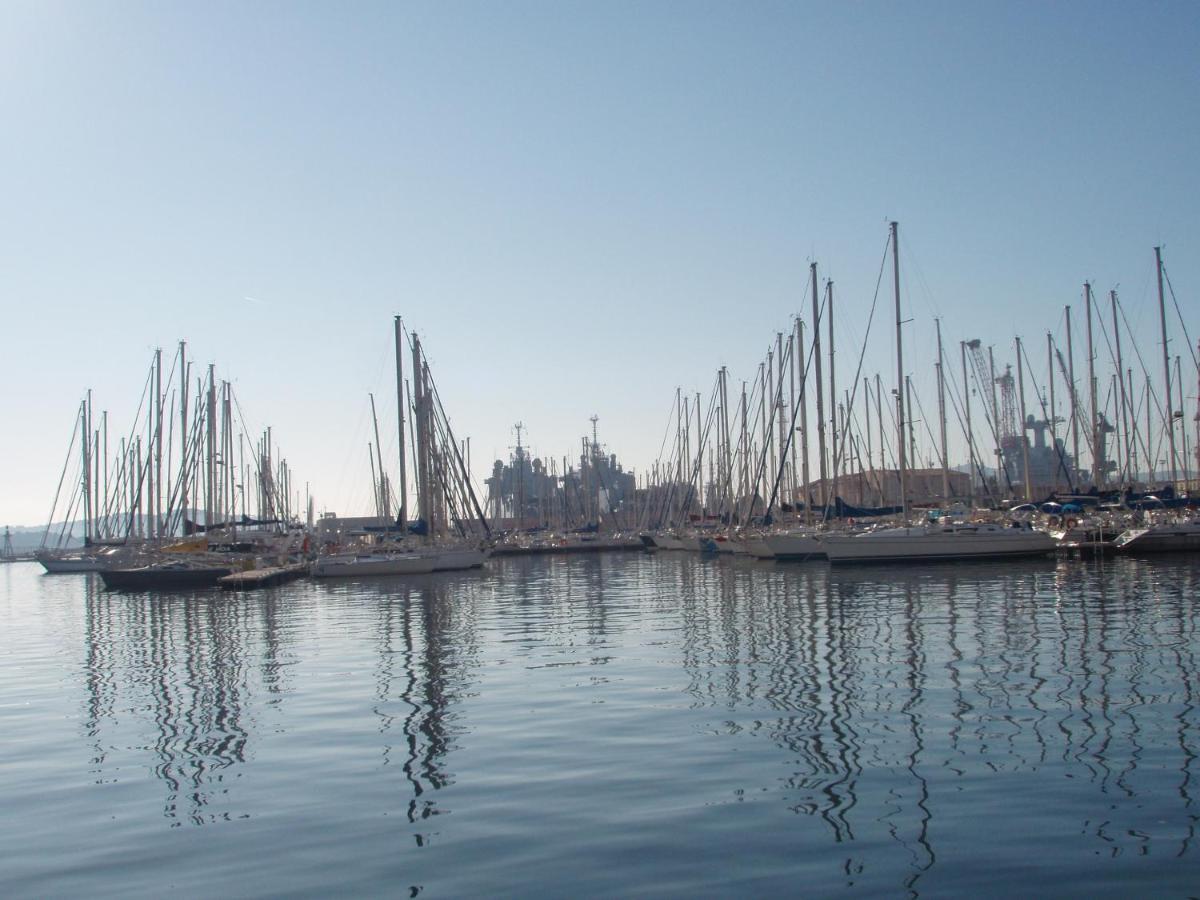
<point>260,578</point>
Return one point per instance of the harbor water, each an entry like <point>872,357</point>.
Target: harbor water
<point>609,725</point>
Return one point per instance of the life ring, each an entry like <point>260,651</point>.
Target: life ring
<point>1070,522</point>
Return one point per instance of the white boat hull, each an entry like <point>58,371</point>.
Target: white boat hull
<point>758,548</point>
<point>350,566</point>
<point>795,546</point>
<point>933,545</point>
<point>66,564</point>
<point>453,560</point>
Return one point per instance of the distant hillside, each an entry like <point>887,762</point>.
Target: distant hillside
<point>29,537</point>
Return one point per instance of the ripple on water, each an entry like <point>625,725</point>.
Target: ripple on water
<point>608,725</point>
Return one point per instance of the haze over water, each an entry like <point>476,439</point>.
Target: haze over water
<point>605,726</point>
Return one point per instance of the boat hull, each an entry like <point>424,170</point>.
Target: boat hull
<point>63,565</point>
<point>346,566</point>
<point>1160,539</point>
<point>149,578</point>
<point>795,547</point>
<point>901,548</point>
<point>454,560</point>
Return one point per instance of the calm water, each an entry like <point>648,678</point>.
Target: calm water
<point>625,724</point>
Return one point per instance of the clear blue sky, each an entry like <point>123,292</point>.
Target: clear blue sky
<point>578,206</point>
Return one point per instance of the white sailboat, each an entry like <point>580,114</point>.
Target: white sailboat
<point>411,554</point>
<point>350,565</point>
<point>937,540</point>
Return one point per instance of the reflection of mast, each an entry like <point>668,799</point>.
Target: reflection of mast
<point>188,656</point>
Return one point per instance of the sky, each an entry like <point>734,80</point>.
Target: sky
<point>579,207</point>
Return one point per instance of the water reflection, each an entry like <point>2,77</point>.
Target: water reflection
<point>895,691</point>
<point>427,647</point>
<point>898,720</point>
<point>180,662</point>
<point>196,682</point>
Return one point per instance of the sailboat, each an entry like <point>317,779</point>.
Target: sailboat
<point>438,468</point>
<point>934,540</point>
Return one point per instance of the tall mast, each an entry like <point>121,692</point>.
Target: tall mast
<point>1112,296</point>
<point>1072,394</point>
<point>699,456</point>
<point>833,415</point>
<point>816,306</point>
<point>962,346</point>
<point>183,434</point>
<point>1169,412</point>
<point>1024,440</point>
<point>400,410</point>
<point>85,429</point>
<point>424,495</point>
<point>805,474</point>
<point>900,420</point>
<point>210,461</point>
<point>158,442</point>
<point>793,349</point>
<point>941,383</point>
<point>726,477</point>
<point>1097,449</point>
<point>104,431</point>
<point>781,466</point>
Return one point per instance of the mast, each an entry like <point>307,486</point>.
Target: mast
<point>158,442</point>
<point>107,500</point>
<point>1169,412</point>
<point>1112,296</point>
<point>699,457</point>
<point>962,346</point>
<point>805,474</point>
<point>210,461</point>
<point>400,410</point>
<point>900,421</point>
<point>1024,421</point>
<point>783,442</point>
<point>85,446</point>
<point>183,434</point>
<point>1072,394</point>
<point>941,383</point>
<point>1097,449</point>
<point>820,389</point>
<point>424,494</point>
<point>833,415</point>
<point>725,462</point>
<point>793,349</point>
